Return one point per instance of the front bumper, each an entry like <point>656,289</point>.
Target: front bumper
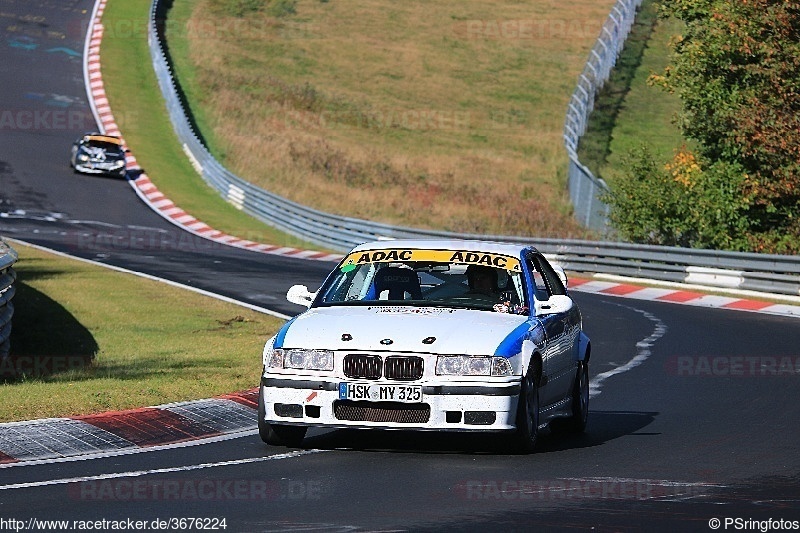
<point>98,168</point>
<point>449,406</point>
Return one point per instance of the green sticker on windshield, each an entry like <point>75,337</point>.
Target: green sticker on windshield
<point>348,267</point>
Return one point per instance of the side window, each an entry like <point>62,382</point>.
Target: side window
<point>552,280</point>
<point>540,286</point>
<point>546,279</point>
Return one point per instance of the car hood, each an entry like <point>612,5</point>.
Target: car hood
<point>456,331</point>
<point>101,155</point>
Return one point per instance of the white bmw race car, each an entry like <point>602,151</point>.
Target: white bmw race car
<point>430,335</point>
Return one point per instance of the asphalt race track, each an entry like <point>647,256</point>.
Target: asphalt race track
<point>694,414</point>
<point>44,109</point>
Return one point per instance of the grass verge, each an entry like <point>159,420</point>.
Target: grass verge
<point>648,116</point>
<point>91,340</point>
<point>140,112</point>
<point>421,114</point>
<point>628,112</point>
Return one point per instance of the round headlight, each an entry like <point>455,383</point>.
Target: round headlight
<point>322,360</point>
<point>302,359</point>
<point>296,359</point>
<point>478,366</point>
<point>449,365</point>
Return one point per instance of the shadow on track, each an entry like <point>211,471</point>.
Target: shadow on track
<point>603,426</point>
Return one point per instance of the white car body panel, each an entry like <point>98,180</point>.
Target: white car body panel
<point>405,326</point>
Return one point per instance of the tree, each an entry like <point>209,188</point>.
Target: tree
<point>681,203</point>
<point>736,68</point>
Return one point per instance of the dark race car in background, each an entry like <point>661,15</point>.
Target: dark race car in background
<point>95,153</point>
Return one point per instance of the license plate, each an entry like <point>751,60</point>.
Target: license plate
<point>374,392</point>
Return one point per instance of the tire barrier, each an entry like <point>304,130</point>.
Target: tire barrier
<point>7,289</point>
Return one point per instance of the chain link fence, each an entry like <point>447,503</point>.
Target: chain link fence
<point>585,189</point>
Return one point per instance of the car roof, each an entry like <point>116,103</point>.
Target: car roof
<point>510,249</point>
<point>103,138</point>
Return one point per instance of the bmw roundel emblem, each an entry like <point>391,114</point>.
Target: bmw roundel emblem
<point>387,342</point>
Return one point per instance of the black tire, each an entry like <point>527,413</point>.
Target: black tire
<point>580,401</point>
<point>524,438</point>
<point>277,435</point>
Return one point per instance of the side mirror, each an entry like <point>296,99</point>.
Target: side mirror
<point>561,274</point>
<point>558,303</point>
<point>300,295</point>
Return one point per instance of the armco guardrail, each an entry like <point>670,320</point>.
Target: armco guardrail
<point>778,274</point>
<point>584,188</point>
<point>7,278</point>
<point>770,273</point>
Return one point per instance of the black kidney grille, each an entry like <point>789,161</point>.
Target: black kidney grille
<point>403,368</point>
<point>400,413</point>
<point>362,366</point>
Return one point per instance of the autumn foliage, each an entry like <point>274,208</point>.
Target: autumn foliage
<point>736,68</point>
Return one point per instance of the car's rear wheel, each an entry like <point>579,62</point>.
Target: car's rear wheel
<point>275,434</point>
<point>525,436</point>
<point>580,401</point>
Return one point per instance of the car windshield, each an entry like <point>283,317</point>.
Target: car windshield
<point>431,278</point>
<point>105,146</point>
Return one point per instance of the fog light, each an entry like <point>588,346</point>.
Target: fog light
<point>452,417</point>
<point>480,418</point>
<point>289,410</point>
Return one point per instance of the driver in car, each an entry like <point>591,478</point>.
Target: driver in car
<point>482,281</point>
<point>484,285</point>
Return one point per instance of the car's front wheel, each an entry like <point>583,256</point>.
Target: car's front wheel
<point>525,436</point>
<point>275,434</point>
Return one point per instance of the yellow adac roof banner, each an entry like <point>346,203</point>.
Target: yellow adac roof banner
<point>461,257</point>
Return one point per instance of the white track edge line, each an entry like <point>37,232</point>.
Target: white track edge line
<point>138,473</point>
<point>156,278</point>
